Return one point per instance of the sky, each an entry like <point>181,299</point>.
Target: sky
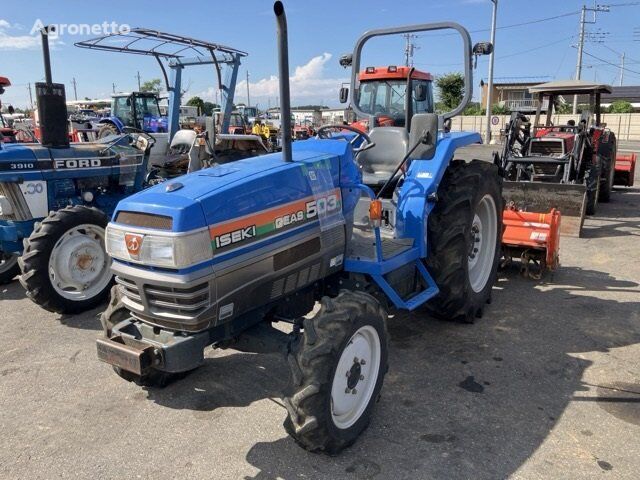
<point>319,32</point>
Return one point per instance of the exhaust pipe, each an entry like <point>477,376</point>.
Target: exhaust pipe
<point>283,73</point>
<point>52,102</point>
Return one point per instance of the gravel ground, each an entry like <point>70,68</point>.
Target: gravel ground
<point>546,385</point>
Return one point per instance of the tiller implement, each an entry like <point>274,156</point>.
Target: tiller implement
<point>532,237</point>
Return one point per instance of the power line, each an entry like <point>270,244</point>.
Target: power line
<point>514,25</point>
<point>609,63</point>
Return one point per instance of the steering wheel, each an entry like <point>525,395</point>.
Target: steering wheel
<point>151,140</point>
<point>323,133</point>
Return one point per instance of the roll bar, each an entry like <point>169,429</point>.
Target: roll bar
<point>423,27</point>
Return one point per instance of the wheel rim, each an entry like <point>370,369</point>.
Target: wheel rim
<point>79,265</point>
<point>482,243</point>
<point>7,261</point>
<point>355,377</point>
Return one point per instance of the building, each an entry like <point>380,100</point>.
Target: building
<point>514,96</point>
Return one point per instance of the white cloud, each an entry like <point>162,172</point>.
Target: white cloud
<point>307,82</point>
<point>19,42</point>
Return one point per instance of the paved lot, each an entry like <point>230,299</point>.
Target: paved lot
<point>546,385</point>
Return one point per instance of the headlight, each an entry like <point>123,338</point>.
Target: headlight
<point>154,249</point>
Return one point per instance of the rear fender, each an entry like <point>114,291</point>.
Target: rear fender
<point>422,180</point>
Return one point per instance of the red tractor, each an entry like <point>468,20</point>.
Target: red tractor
<point>567,167</point>
<point>383,95</point>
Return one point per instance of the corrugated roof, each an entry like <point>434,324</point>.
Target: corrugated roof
<point>629,93</point>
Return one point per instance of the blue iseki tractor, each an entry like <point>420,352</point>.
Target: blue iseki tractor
<point>223,256</point>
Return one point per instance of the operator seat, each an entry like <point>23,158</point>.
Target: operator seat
<point>178,156</point>
<point>379,162</point>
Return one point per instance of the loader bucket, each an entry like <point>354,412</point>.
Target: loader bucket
<point>541,197</point>
<point>625,170</point>
<point>534,238</point>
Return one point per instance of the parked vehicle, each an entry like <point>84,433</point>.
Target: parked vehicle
<point>218,258</point>
<point>566,167</point>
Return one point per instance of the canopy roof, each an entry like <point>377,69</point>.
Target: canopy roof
<point>570,86</point>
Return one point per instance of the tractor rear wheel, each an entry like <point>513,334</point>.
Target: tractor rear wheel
<point>115,313</point>
<point>464,236</point>
<point>65,268</point>
<point>108,129</point>
<point>338,366</point>
<point>9,267</point>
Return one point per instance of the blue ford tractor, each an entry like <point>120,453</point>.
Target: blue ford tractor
<point>56,197</point>
<point>222,256</point>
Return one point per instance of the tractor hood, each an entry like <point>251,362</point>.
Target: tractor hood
<point>20,157</point>
<point>245,187</point>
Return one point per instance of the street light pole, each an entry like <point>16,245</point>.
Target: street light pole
<point>487,137</point>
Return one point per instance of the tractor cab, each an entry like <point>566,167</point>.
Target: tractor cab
<point>139,110</point>
<point>382,94</point>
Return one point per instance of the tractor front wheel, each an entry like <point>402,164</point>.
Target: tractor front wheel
<point>9,267</point>
<point>606,179</point>
<point>592,182</point>
<point>338,366</point>
<point>464,236</point>
<point>65,268</point>
<point>108,129</point>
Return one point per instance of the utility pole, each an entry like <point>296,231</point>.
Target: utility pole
<point>622,69</point>
<point>248,97</point>
<point>30,96</point>
<point>138,77</point>
<point>113,87</point>
<point>581,37</point>
<point>75,90</point>
<point>409,48</point>
<point>494,16</point>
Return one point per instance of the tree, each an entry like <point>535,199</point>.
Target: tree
<point>152,85</point>
<point>450,91</point>
<point>196,102</point>
<point>498,109</point>
<point>207,108</point>
<point>474,108</point>
<point>621,106</point>
<point>564,108</point>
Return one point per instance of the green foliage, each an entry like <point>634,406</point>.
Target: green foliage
<point>564,108</point>
<point>207,108</point>
<point>196,102</point>
<point>500,110</point>
<point>474,109</point>
<point>620,106</point>
<point>450,91</point>
<point>152,85</point>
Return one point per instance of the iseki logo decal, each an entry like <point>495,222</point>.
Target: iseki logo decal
<point>269,222</point>
<point>236,236</point>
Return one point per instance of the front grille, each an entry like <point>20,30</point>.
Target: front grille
<point>145,220</point>
<point>547,148</point>
<point>20,208</point>
<point>545,169</point>
<point>160,302</point>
